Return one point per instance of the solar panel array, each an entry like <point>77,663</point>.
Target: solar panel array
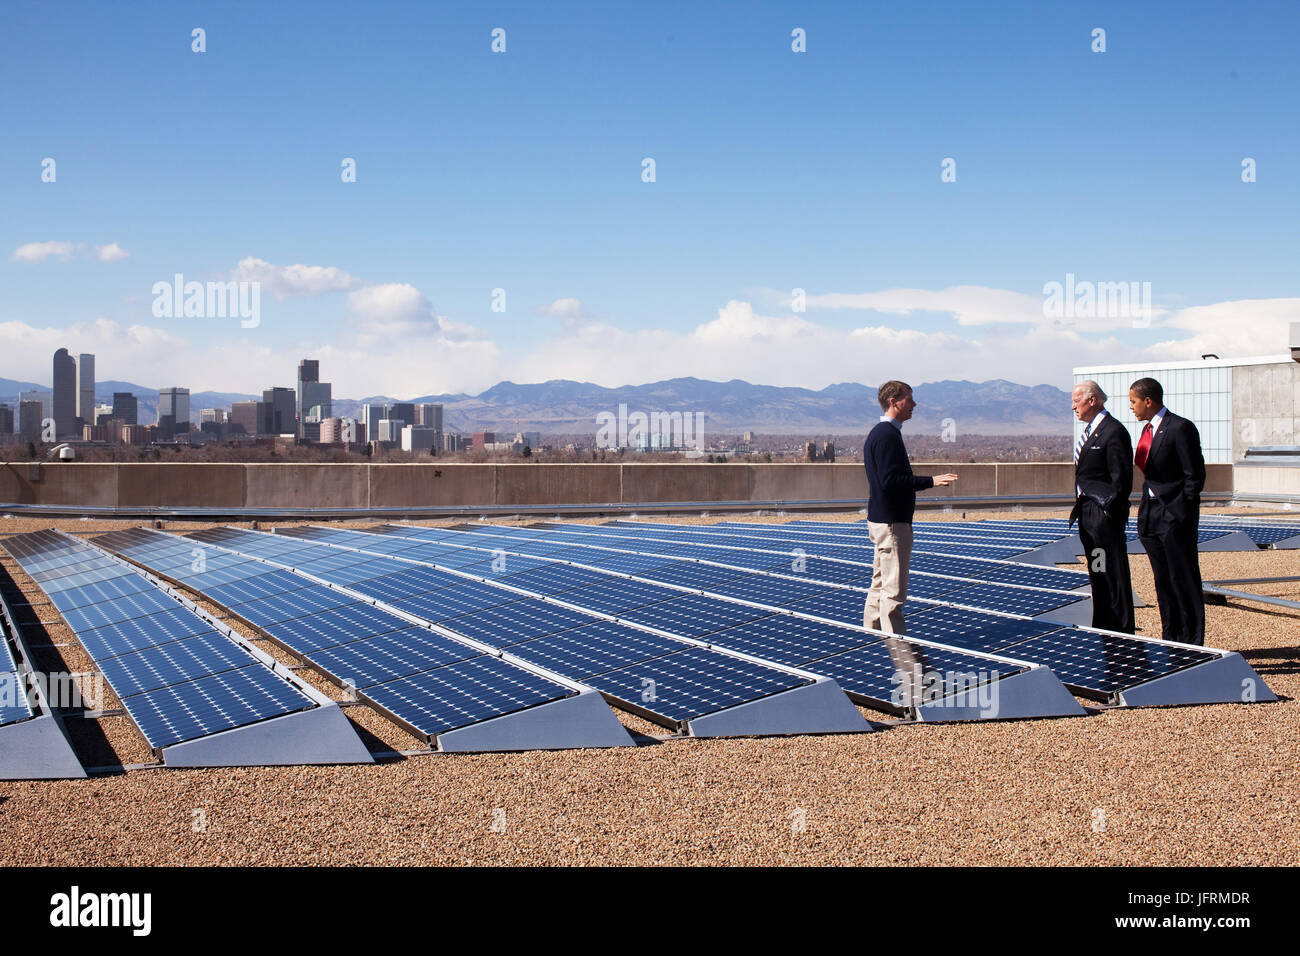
<point>570,642</point>
<point>1092,663</point>
<point>178,678</point>
<point>863,663</point>
<point>14,705</point>
<point>428,681</point>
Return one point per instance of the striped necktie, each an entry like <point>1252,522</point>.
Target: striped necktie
<point>1083,439</point>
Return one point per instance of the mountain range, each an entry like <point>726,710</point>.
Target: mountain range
<point>561,406</point>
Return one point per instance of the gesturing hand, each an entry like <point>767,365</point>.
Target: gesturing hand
<point>941,480</point>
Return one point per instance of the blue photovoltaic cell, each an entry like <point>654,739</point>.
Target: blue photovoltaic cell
<point>972,629</point>
<point>408,583</point>
<point>454,601</point>
<point>790,640</point>
<point>518,621</point>
<point>692,574</point>
<point>692,682</point>
<point>629,563</point>
<point>819,569</point>
<point>554,579</point>
<point>1010,600</point>
<point>249,589</point>
<point>340,625</point>
<point>501,566</point>
<point>694,615</point>
<point>172,663</point>
<point>368,570</point>
<point>154,629</point>
<point>13,696</point>
<point>876,671</point>
<point>122,609</point>
<point>618,595</point>
<point>211,704</point>
<point>390,656</point>
<point>839,605</point>
<point>312,599</point>
<point>464,693</point>
<point>1101,663</point>
<point>106,590</point>
<point>594,648</point>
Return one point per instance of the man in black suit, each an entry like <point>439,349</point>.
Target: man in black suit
<point>1169,456</point>
<point>1103,479</point>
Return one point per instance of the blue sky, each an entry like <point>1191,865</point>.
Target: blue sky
<point>522,170</point>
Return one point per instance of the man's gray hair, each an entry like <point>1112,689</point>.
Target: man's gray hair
<point>1093,389</point>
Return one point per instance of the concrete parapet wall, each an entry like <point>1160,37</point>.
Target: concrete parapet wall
<point>497,485</point>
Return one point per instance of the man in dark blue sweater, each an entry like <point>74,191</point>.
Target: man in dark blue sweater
<point>890,507</point>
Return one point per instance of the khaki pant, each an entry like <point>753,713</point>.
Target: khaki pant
<point>884,608</point>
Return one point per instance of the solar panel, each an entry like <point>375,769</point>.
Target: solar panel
<point>1010,600</point>
<point>693,615</point>
<point>390,656</point>
<point>1103,664</point>
<point>838,605</point>
<point>883,672</point>
<point>789,640</point>
<point>554,579</point>
<point>692,574</point>
<point>522,620</point>
<point>314,599</point>
<point>463,693</point>
<point>211,704</point>
<point>692,682</point>
<point>173,662</point>
<point>454,601</point>
<point>972,629</point>
<point>594,648</point>
<point>125,637</point>
<point>114,612</point>
<point>340,625</point>
<point>618,595</point>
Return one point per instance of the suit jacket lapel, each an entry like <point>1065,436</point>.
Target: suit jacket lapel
<point>1160,434</point>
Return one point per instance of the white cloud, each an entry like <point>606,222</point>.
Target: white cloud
<point>563,309</point>
<point>403,347</point>
<point>40,251</point>
<point>968,304</point>
<point>296,280</point>
<point>111,252</point>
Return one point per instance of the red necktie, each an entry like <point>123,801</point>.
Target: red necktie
<point>1143,449</point>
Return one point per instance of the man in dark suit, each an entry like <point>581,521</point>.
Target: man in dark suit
<point>1173,469</point>
<point>1103,479</point>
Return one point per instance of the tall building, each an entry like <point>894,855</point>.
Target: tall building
<point>280,411</point>
<point>370,418</point>
<point>429,416</point>
<point>30,416</point>
<point>418,438</point>
<point>405,411</point>
<point>64,411</point>
<point>390,430</point>
<point>126,408</point>
<point>6,420</point>
<point>311,393</point>
<point>248,418</point>
<point>176,403</point>
<point>44,399</point>
<point>86,388</point>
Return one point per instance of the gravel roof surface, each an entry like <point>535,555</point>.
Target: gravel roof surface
<point>1216,785</point>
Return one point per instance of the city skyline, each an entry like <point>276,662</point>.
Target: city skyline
<point>783,180</point>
